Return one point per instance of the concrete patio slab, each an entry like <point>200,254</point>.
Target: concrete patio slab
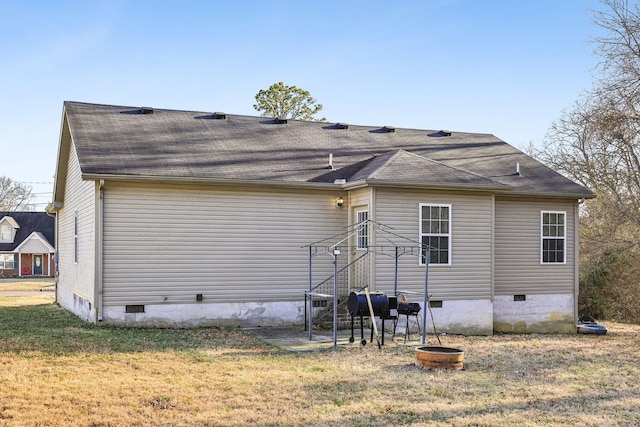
<point>295,338</point>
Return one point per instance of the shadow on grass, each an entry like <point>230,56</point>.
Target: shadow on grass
<point>48,328</point>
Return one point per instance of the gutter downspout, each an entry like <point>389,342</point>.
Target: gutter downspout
<point>99,251</point>
<point>576,258</point>
<point>54,215</point>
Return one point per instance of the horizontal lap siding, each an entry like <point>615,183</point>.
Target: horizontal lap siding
<point>470,275</point>
<point>80,196</point>
<point>518,267</point>
<point>167,244</point>
<point>360,197</point>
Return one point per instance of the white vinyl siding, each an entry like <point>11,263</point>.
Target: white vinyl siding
<point>470,275</point>
<point>77,274</point>
<point>518,247</point>
<point>165,244</point>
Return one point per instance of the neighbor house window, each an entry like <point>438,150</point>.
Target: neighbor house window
<point>435,233</point>
<point>553,237</point>
<point>8,261</point>
<point>75,238</point>
<point>6,232</point>
<point>362,232</point>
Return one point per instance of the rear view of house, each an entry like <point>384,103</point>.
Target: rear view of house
<point>26,244</point>
<point>169,217</point>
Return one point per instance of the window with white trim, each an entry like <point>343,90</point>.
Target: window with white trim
<point>362,231</point>
<point>435,233</point>
<point>6,232</point>
<point>553,237</point>
<point>75,237</point>
<point>8,261</point>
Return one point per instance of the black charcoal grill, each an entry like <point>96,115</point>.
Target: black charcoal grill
<point>384,307</point>
<point>408,309</point>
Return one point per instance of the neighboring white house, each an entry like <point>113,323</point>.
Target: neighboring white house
<point>171,217</point>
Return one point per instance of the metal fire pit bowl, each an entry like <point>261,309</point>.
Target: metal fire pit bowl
<point>439,357</point>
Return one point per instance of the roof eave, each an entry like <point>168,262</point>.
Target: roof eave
<point>549,195</point>
<point>438,186</point>
<point>211,181</point>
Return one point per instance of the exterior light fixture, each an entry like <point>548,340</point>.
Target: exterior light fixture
<point>340,202</point>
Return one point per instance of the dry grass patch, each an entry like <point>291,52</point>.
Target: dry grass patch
<point>57,370</point>
<point>28,284</point>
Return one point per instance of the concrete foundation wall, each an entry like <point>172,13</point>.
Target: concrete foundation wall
<point>203,314</point>
<point>75,304</point>
<point>537,314</point>
<point>468,317</point>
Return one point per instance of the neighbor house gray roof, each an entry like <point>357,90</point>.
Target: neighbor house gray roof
<point>129,143</point>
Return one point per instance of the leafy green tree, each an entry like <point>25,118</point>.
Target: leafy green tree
<point>14,196</point>
<point>289,102</point>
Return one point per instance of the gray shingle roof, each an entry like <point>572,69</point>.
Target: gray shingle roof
<point>29,222</point>
<point>168,144</point>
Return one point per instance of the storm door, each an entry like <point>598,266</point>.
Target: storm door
<point>37,265</point>
<point>360,256</point>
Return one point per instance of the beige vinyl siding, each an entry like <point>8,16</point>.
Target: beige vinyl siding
<point>169,243</point>
<point>79,199</point>
<point>360,197</point>
<point>470,274</point>
<point>518,266</point>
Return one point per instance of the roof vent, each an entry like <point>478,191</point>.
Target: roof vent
<point>340,181</point>
<point>146,110</point>
<point>219,115</point>
<point>389,129</point>
<point>281,120</point>
<point>517,169</point>
<point>330,162</point>
<point>342,126</point>
<point>445,132</point>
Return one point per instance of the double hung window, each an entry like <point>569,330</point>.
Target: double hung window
<point>435,233</point>
<point>553,237</point>
<point>6,232</point>
<point>8,261</point>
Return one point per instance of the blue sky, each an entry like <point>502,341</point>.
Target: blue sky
<point>503,67</point>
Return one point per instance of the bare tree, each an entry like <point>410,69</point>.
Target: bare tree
<point>619,50</point>
<point>14,196</point>
<point>597,143</point>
